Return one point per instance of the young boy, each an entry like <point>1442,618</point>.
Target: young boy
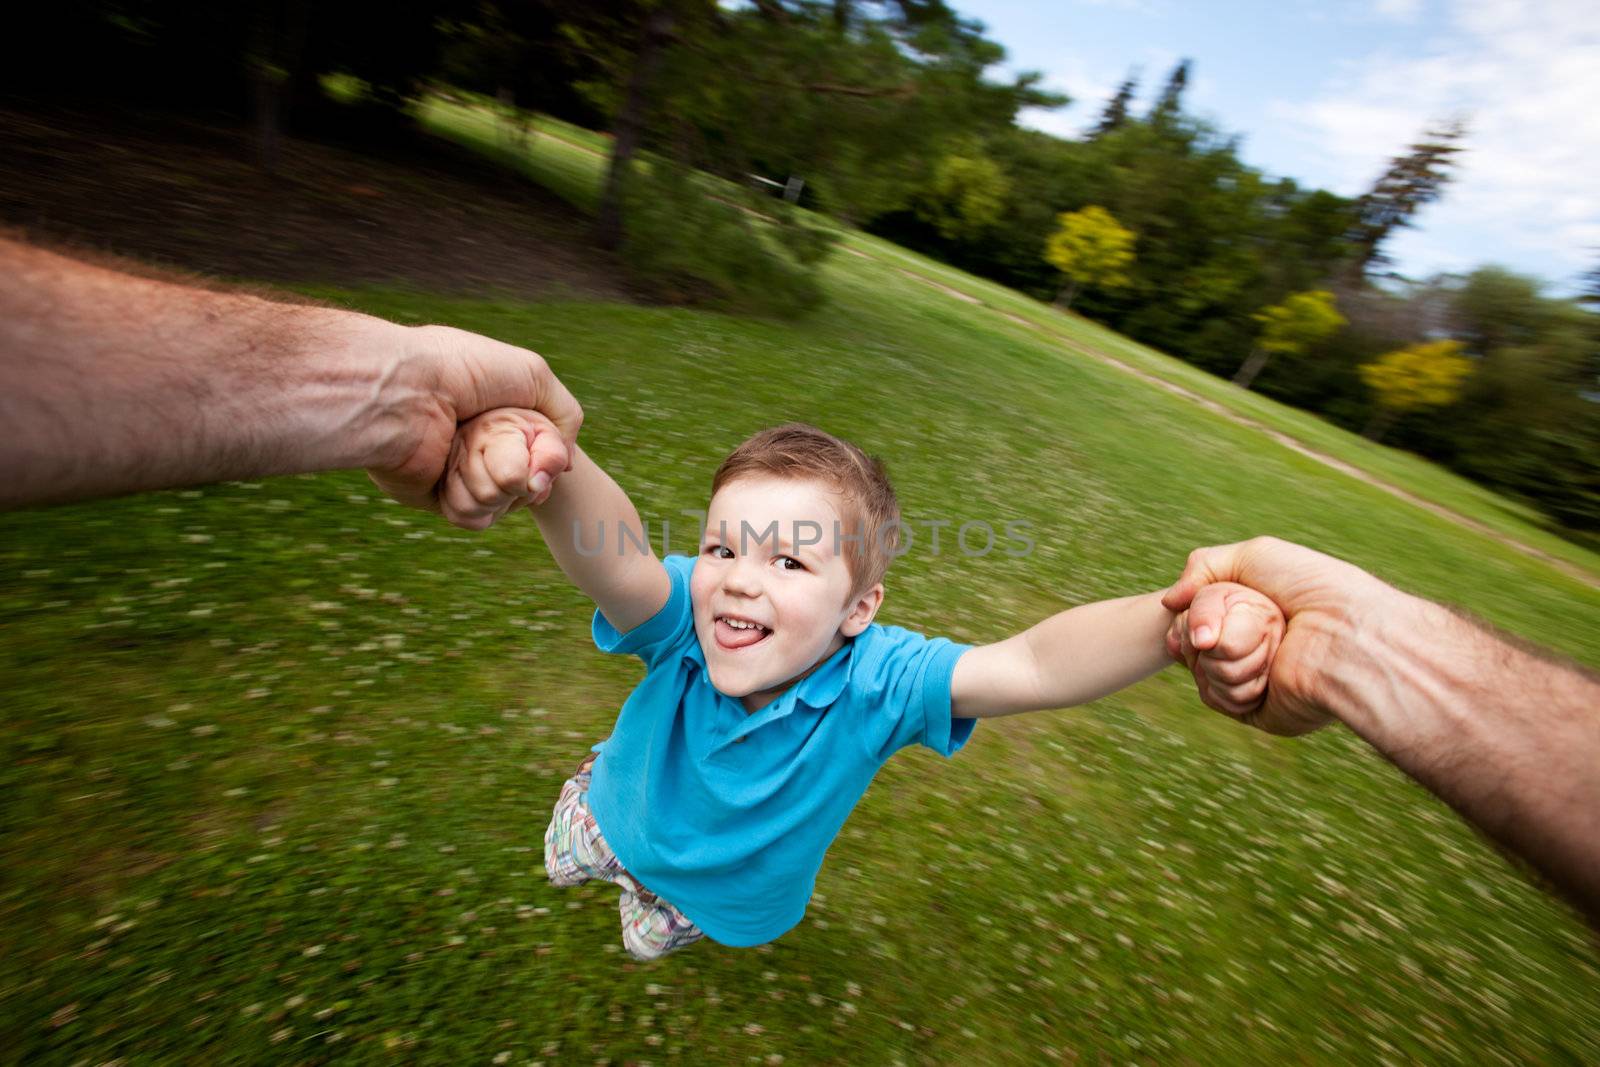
<point>770,697</point>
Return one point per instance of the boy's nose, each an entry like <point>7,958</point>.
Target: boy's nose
<point>743,579</point>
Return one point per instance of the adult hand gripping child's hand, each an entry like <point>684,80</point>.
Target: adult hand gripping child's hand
<point>499,462</point>
<point>1230,667</point>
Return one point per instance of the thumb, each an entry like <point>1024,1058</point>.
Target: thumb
<point>1206,613</point>
<point>549,455</point>
<point>480,374</point>
<point>1205,566</point>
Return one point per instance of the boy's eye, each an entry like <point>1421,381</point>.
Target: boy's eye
<point>789,563</point>
<point>719,551</point>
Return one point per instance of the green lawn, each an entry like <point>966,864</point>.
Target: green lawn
<point>279,755</point>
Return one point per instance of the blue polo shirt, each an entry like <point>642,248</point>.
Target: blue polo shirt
<point>728,814</point>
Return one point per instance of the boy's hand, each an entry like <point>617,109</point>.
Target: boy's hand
<point>499,462</point>
<point>1231,672</point>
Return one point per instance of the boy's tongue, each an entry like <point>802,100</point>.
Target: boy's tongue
<point>730,637</point>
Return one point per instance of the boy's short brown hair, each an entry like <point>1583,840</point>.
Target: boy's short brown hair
<point>871,515</point>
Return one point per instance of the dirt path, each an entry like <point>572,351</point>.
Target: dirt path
<point>1570,569</point>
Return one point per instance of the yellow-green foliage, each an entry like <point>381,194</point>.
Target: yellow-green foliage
<point>1301,320</point>
<point>967,195</point>
<point>1426,375</point>
<point>1091,248</point>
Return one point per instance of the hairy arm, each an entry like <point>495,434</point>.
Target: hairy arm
<point>1507,735</point>
<point>111,383</point>
<point>1079,655</point>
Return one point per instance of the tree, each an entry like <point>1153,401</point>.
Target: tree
<point>1291,327</point>
<point>1591,286</point>
<point>1116,113</point>
<point>1089,247</point>
<point>967,195</point>
<point>1411,181</point>
<point>860,97</point>
<point>628,129</point>
<point>1528,421</point>
<point>1425,375</point>
<point>1169,105</point>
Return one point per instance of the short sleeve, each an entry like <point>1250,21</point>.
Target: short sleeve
<point>664,632</point>
<point>912,675</point>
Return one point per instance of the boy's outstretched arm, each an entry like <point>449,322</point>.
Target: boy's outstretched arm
<point>591,527</point>
<point>1091,651</point>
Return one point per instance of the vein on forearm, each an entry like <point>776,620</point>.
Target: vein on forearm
<point>1507,736</point>
<point>110,382</point>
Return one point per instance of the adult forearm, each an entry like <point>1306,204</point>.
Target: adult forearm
<point>111,383</point>
<point>1507,737</point>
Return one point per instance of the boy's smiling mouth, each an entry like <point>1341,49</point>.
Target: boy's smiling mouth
<point>734,632</point>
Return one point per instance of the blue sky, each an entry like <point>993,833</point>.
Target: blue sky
<point>1327,92</point>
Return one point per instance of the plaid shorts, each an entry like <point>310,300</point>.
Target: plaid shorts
<point>574,853</point>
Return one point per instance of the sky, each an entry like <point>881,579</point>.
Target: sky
<point>1327,93</point>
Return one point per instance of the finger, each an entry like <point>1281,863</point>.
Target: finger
<point>1191,655</point>
<point>457,503</point>
<point>1242,669</point>
<point>1245,624</point>
<point>1204,566</point>
<point>459,506</point>
<point>505,376</point>
<point>1206,614</point>
<point>550,456</point>
<point>1231,708</point>
<point>1244,695</point>
<point>561,408</point>
<point>479,484</point>
<point>1175,636</point>
<point>1218,702</point>
<point>505,462</point>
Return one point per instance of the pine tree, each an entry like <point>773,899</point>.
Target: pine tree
<point>1591,286</point>
<point>1411,180</point>
<point>1170,102</point>
<point>1116,112</point>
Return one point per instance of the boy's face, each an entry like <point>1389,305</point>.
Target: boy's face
<point>768,558</point>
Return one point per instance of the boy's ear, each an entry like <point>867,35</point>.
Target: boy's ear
<point>862,611</point>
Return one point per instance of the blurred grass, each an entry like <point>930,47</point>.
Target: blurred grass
<point>279,755</point>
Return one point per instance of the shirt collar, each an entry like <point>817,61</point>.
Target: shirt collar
<point>817,690</point>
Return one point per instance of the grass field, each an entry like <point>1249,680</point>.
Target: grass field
<point>279,754</point>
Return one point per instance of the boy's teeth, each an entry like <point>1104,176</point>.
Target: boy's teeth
<point>737,633</point>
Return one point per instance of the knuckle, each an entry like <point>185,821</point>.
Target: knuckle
<point>1229,673</point>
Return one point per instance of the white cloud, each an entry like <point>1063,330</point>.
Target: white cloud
<point>1528,79</point>
<point>1398,10</point>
